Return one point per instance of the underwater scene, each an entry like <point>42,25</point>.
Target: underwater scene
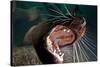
<point>52,33</point>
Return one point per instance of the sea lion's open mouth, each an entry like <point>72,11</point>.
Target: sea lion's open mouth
<point>62,35</point>
<point>59,36</point>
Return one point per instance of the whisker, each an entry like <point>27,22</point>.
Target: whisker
<point>85,41</point>
<point>65,21</point>
<point>91,34</point>
<point>89,41</point>
<point>56,18</point>
<point>68,11</point>
<point>80,51</point>
<point>57,8</point>
<point>58,13</point>
<point>60,19</point>
<point>76,53</point>
<point>88,48</point>
<point>83,51</point>
<point>51,15</point>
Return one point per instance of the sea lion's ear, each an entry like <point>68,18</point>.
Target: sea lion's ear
<point>35,32</point>
<point>84,22</point>
<point>83,27</point>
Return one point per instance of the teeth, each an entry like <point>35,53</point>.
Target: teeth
<point>57,52</point>
<point>61,54</point>
<point>54,51</point>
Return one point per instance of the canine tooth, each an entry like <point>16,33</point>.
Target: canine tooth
<point>62,55</point>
